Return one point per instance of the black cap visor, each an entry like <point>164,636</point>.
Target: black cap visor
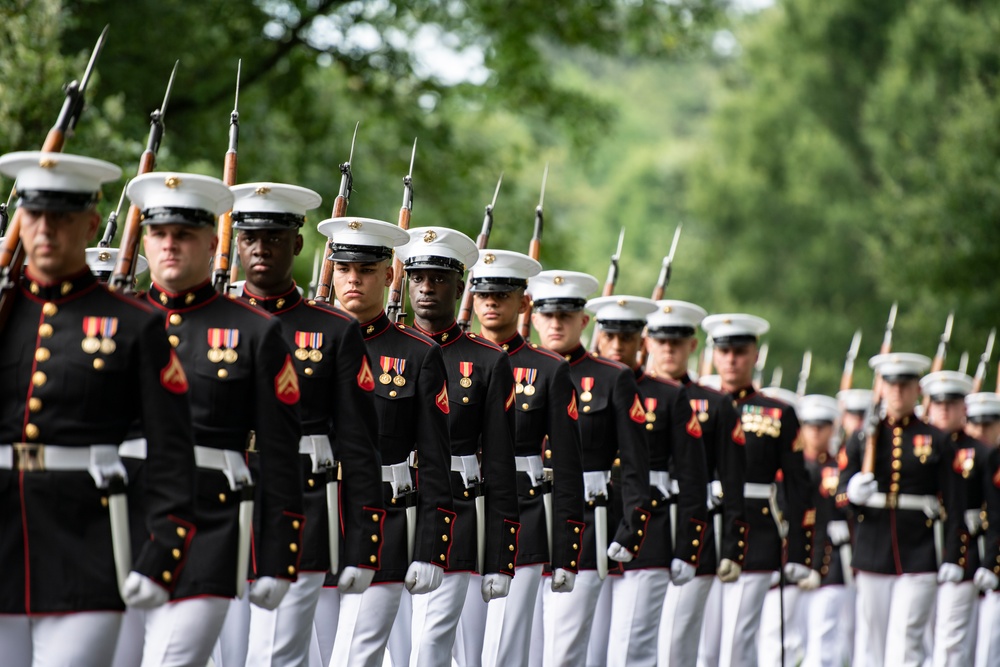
<point>55,200</point>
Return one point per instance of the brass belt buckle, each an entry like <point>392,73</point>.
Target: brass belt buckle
<point>891,500</point>
<point>29,457</point>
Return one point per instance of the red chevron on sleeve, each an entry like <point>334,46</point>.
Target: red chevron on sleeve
<point>172,376</point>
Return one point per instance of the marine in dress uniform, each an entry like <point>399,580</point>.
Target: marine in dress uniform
<point>339,463</point>
<point>771,429</point>
<point>958,601</point>
<point>547,456</point>
<point>612,426</point>
<point>678,514</point>
<point>898,513</point>
<point>80,364</point>
<point>412,404</point>
<point>670,341</point>
<point>983,414</point>
<point>481,419</point>
<point>244,391</point>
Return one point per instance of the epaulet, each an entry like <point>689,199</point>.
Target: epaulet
<point>485,343</point>
<point>548,353</point>
<point>413,333</point>
<point>330,309</point>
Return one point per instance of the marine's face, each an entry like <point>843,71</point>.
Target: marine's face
<point>620,346</point>
<point>360,287</point>
<point>499,310</point>
<point>900,397</point>
<point>949,416</point>
<point>560,331</point>
<point>434,293</point>
<point>267,257</point>
<point>816,437</point>
<point>669,356</point>
<point>735,365</point>
<point>180,256</point>
<point>55,242</point>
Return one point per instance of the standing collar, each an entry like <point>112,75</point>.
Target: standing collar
<point>512,344</point>
<point>576,354</point>
<point>374,327</point>
<point>273,304</point>
<point>192,298</point>
<point>745,393</point>
<point>68,287</point>
<point>447,336</point>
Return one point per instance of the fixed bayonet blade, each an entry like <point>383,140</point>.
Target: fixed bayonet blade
<point>621,242</point>
<point>762,358</point>
<point>852,353</point>
<point>946,336</point>
<point>413,156</point>
<point>496,192</point>
<point>673,246</point>
<point>889,325</point>
<point>545,178</point>
<point>776,377</point>
<point>963,363</point>
<point>804,373</point>
<point>236,101</point>
<point>355,138</point>
<point>112,227</point>
<point>93,59</point>
<point>988,353</point>
<point>170,85</point>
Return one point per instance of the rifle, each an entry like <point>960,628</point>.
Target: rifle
<point>124,273</point>
<point>776,377</point>
<point>963,362</point>
<point>112,225</point>
<point>706,358</point>
<point>394,308</point>
<point>325,283</point>
<point>664,278</point>
<point>465,312</point>
<point>4,211</point>
<point>939,356</point>
<point>225,274</point>
<point>984,360</point>
<point>609,285</point>
<point>847,378</point>
<point>758,367</point>
<point>534,252</point>
<point>874,413</point>
<point>807,358</point>
<point>314,281</point>
<point>11,251</point>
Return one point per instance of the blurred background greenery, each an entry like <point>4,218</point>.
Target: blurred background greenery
<point>826,157</point>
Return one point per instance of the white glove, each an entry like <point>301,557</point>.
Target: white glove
<point>619,553</point>
<point>838,532</point>
<point>950,573</point>
<point>495,585</point>
<point>354,579</point>
<point>714,498</point>
<point>141,592</point>
<point>267,592</point>
<point>423,577</point>
<point>861,487</point>
<point>985,580</point>
<point>681,572</point>
<point>811,582</point>
<point>729,571</point>
<point>796,572</point>
<point>775,579</point>
<point>563,581</point>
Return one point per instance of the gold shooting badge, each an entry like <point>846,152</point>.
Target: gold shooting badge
<point>91,344</point>
<point>650,410</point>
<point>519,379</point>
<point>465,368</point>
<point>586,384</point>
<point>530,375</point>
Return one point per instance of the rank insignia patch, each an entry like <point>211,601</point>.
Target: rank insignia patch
<point>365,378</point>
<point>172,376</point>
<point>286,383</point>
<point>636,413</point>
<point>571,408</point>
<point>441,400</point>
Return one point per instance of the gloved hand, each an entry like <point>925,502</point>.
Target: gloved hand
<point>495,585</point>
<point>563,581</point>
<point>949,573</point>
<point>681,572</point>
<point>422,577</point>
<point>267,592</point>
<point>985,580</point>
<point>714,495</point>
<point>838,532</point>
<point>619,553</point>
<point>796,572</point>
<point>141,592</point>
<point>861,487</point>
<point>775,579</point>
<point>354,580</point>
<point>811,582</point>
<point>729,571</point>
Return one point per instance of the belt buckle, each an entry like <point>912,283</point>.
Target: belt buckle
<point>29,457</point>
<point>891,500</point>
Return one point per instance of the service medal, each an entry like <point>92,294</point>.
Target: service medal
<point>315,356</point>
<point>465,382</point>
<point>703,416</point>
<point>586,396</point>
<point>465,368</point>
<point>518,379</point>
<point>650,408</point>
<point>529,390</point>
<point>530,375</point>
<point>301,354</point>
<point>108,346</point>
<point>519,388</point>
<point>399,380</point>
<point>230,356</point>
<point>215,355</point>
<point>90,344</point>
<point>586,384</point>
<point>385,378</point>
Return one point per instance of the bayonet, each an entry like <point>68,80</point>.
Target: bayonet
<point>776,377</point>
<point>465,311</point>
<point>112,226</point>
<point>394,307</point>
<point>984,360</point>
<point>847,377</point>
<point>889,325</point>
<point>5,211</point>
<point>663,280</point>
<point>804,373</point>
<point>758,367</point>
<point>534,251</point>
<point>226,270</point>
<point>942,349</point>
<point>963,362</point>
<point>324,286</point>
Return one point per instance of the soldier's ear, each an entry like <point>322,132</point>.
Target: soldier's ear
<point>388,273</point>
<point>459,289</point>
<point>586,319</point>
<point>525,302</point>
<point>692,345</point>
<point>214,242</point>
<point>298,244</point>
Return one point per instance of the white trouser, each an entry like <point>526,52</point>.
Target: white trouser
<point>680,622</point>
<point>635,617</point>
<point>509,621</point>
<point>435,621</point>
<point>128,651</point>
<point>954,638</point>
<point>600,627</point>
<point>182,633</point>
<point>823,610</point>
<point>568,618</point>
<point>892,616</point>
<point>324,627</point>
<point>399,635</point>
<point>78,639</point>
<point>769,644</point>
<point>468,650</point>
<point>742,603</point>
<point>988,646</point>
<point>364,625</point>
<point>230,648</point>
<point>536,654</point>
<point>711,629</point>
<point>280,638</point>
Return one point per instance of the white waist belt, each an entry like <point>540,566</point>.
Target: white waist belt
<point>468,468</point>
<point>532,466</point>
<point>101,461</point>
<point>397,475</point>
<point>927,504</point>
<point>974,521</point>
<point>595,484</point>
<point>757,491</point>
<point>661,480</point>
<point>319,450</point>
<point>133,448</point>
<point>226,461</point>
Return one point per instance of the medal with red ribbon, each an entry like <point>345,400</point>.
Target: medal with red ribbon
<point>465,368</point>
<point>586,384</point>
<point>386,364</point>
<point>529,381</point>
<point>650,409</point>
<point>519,379</point>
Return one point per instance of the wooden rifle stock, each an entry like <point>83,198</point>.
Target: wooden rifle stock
<point>483,240</point>
<point>324,284</point>
<point>394,307</point>
<point>524,319</point>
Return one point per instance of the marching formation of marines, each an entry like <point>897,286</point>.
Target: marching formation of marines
<point>292,478</point>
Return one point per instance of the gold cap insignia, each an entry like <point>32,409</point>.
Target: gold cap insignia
<point>263,190</point>
<point>558,280</point>
<point>667,309</point>
<point>622,302</point>
<point>47,163</point>
<point>104,256</point>
<point>172,182</point>
<point>489,258</point>
<point>727,321</point>
<point>354,225</point>
<point>430,236</point>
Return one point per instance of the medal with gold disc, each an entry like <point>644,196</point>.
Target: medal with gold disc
<point>465,368</point>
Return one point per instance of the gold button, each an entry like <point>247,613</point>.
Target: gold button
<point>654,503</point>
<point>765,511</point>
<point>308,371</point>
<point>444,538</point>
<point>176,554</point>
<point>392,501</point>
<point>291,569</point>
<point>639,533</point>
<point>311,482</point>
<point>465,494</point>
<point>642,517</point>
<point>575,546</point>
<point>693,558</point>
<point>808,560</point>
<point>293,547</point>
<point>897,441</point>
<point>31,431</point>
<point>49,309</point>
<point>175,319</point>
<point>524,406</point>
<point>296,524</point>
<point>510,547</point>
<point>649,427</point>
<point>513,531</point>
<point>586,408</point>
<point>510,566</point>
<point>572,563</point>
<point>743,529</point>
<point>182,532</point>
<point>222,497</point>
<point>223,373</point>
<point>38,378</point>
<point>698,528</point>
<point>104,501</point>
<point>34,404</point>
<point>66,288</point>
<point>167,576</point>
<point>531,492</point>
<point>894,488</point>
<point>809,533</point>
<point>896,465</point>
<point>465,399</point>
<point>741,543</point>
<point>45,330</point>
<point>174,340</point>
<point>576,529</point>
<point>897,431</point>
<point>548,453</point>
<point>447,519</point>
<point>374,538</point>
<point>372,559</point>
<point>895,476</point>
<point>636,549</point>
<point>392,394</point>
<point>42,354</point>
<point>898,451</point>
<point>442,558</point>
<point>374,518</point>
<point>98,364</point>
<point>929,523</point>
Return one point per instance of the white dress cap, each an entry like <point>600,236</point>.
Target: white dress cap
<point>734,328</point>
<point>438,248</point>
<point>713,381</point>
<point>57,181</point>
<point>674,319</point>
<point>182,199</point>
<point>502,271</point>
<point>783,395</point>
<point>817,408</point>
<point>362,239</point>
<point>621,312</point>
<point>102,262</point>
<point>900,365</point>
<point>552,291</point>
<point>855,400</point>
<point>946,385</point>
<point>272,205</point>
<point>982,407</point>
